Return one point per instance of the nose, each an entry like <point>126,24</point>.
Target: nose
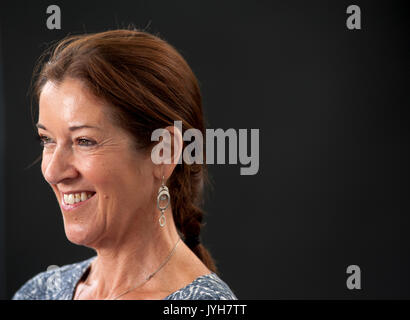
<point>58,166</point>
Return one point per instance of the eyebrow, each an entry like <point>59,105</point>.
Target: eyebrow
<point>73,128</point>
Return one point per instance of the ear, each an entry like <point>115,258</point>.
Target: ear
<point>176,143</point>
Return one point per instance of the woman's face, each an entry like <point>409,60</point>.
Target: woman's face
<point>103,185</point>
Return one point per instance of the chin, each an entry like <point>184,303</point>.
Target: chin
<point>78,235</point>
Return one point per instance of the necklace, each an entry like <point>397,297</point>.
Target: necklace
<point>145,280</point>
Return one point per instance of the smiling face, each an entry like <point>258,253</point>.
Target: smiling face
<point>104,186</point>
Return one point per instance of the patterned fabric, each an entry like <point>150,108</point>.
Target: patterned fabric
<point>60,283</point>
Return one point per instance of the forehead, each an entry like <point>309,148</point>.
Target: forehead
<point>71,103</point>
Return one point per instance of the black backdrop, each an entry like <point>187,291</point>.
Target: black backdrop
<point>333,182</point>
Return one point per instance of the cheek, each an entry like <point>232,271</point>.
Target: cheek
<point>95,171</point>
<point>124,181</point>
<point>105,174</point>
<point>121,178</point>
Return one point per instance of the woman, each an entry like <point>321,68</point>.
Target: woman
<point>100,98</point>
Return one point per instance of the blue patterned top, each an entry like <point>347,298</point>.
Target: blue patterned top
<point>60,283</point>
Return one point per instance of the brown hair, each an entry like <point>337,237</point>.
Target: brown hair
<point>148,85</point>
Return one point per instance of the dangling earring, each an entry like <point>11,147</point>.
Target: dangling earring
<point>163,195</point>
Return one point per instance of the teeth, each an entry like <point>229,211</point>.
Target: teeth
<point>76,197</point>
<point>70,199</point>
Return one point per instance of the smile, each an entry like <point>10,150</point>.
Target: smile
<point>73,200</point>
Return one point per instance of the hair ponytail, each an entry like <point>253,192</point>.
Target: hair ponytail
<point>186,200</point>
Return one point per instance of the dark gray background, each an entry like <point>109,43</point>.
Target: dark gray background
<point>331,105</point>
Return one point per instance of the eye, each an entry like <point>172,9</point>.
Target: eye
<point>85,142</point>
<point>43,140</point>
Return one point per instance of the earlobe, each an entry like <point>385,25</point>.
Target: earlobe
<point>159,171</point>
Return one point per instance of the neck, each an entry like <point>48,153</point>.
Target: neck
<point>124,263</point>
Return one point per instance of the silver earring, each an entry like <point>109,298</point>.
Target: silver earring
<point>163,195</point>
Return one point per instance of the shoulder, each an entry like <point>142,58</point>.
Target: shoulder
<point>206,287</point>
<point>52,284</point>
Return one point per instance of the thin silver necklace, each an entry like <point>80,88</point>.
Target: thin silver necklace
<point>150,276</point>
